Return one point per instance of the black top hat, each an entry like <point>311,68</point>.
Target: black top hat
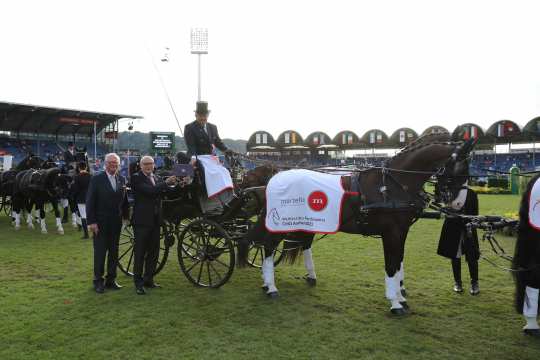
<point>202,108</point>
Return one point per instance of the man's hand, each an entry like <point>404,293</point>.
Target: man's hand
<point>93,228</point>
<point>171,180</point>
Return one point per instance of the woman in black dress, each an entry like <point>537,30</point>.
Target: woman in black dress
<point>455,241</point>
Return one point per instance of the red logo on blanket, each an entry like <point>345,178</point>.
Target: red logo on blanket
<point>317,200</point>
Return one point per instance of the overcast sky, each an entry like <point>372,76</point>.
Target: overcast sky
<point>279,65</point>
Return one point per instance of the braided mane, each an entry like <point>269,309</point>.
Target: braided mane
<point>421,142</point>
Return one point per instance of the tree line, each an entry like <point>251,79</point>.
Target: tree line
<point>141,141</point>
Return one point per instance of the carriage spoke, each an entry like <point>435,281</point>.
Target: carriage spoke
<point>125,252</point>
<point>188,270</point>
<point>200,272</point>
<point>129,262</point>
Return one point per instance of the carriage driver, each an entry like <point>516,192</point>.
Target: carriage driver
<point>69,154</point>
<point>202,138</point>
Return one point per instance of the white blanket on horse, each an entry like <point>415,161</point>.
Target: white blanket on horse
<point>216,177</point>
<point>534,206</point>
<point>304,200</point>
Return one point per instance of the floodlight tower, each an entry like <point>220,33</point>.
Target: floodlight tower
<point>199,46</point>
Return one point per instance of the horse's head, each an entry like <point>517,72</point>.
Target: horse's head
<point>56,183</point>
<point>455,173</point>
<point>29,162</point>
<point>260,176</point>
<point>61,185</point>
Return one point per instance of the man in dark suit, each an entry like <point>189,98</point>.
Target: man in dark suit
<point>200,136</point>
<point>147,217</point>
<point>106,204</point>
<point>69,154</point>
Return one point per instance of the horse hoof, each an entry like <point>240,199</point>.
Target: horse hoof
<point>17,227</point>
<point>310,281</point>
<point>273,295</point>
<point>403,292</point>
<point>405,305</point>
<point>398,312</point>
<point>30,227</point>
<point>44,231</point>
<point>532,332</point>
<point>61,232</point>
<point>264,288</point>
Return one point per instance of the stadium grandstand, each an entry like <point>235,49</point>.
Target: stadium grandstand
<point>46,131</point>
<point>374,146</point>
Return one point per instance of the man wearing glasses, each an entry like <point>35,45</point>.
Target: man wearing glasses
<point>147,217</point>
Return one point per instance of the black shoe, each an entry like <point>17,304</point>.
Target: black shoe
<point>140,290</point>
<point>99,288</point>
<point>151,285</point>
<point>113,285</point>
<point>475,289</point>
<point>458,287</point>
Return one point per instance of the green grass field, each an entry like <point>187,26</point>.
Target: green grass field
<point>50,311</point>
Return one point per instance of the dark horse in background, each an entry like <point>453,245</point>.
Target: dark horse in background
<point>391,200</point>
<point>68,203</point>
<point>36,187</point>
<point>7,178</point>
<point>526,264</point>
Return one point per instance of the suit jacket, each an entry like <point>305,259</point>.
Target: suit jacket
<point>198,142</point>
<point>80,185</point>
<point>103,204</point>
<point>147,206</point>
<point>68,157</point>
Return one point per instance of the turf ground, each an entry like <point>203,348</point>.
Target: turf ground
<point>49,310</point>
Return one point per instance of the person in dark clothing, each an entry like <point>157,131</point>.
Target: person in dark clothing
<point>147,218</point>
<point>455,241</point>
<point>69,154</point>
<point>79,191</point>
<point>200,136</point>
<point>106,205</point>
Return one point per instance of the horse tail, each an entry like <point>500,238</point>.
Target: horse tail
<point>524,248</point>
<point>295,244</point>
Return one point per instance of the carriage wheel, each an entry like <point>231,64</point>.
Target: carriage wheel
<point>6,205</point>
<point>125,249</point>
<point>206,253</point>
<point>256,255</point>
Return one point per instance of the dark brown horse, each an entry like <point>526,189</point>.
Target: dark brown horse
<point>391,199</point>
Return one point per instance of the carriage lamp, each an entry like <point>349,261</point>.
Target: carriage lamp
<point>199,46</point>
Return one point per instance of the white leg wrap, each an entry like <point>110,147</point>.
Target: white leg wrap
<point>59,227</point>
<point>74,219</point>
<point>392,290</point>
<point>308,263</point>
<point>268,274</point>
<point>64,202</point>
<point>30,221</point>
<point>37,214</point>
<point>82,210</point>
<point>530,304</point>
<point>17,221</point>
<point>395,304</point>
<point>43,226</point>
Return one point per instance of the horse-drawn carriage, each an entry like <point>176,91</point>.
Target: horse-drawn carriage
<point>206,243</point>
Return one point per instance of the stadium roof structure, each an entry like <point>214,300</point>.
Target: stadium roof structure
<point>58,121</point>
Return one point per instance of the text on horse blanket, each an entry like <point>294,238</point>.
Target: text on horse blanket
<point>304,200</point>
